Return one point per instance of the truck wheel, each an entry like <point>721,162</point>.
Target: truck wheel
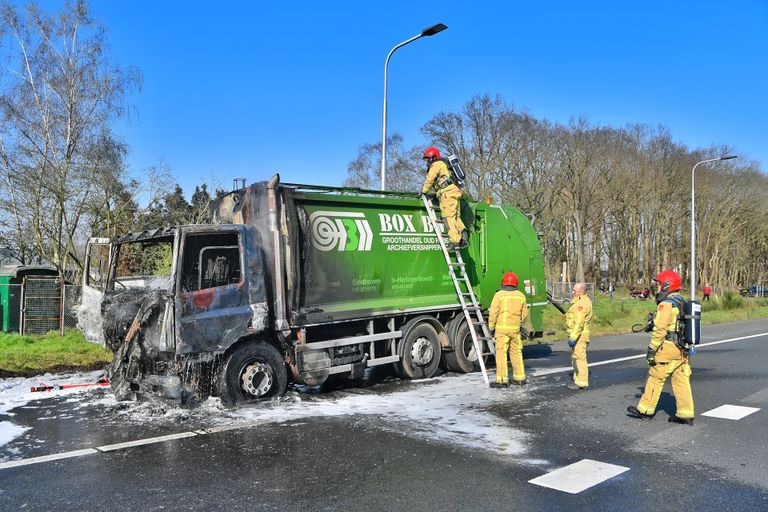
<point>254,371</point>
<point>463,359</point>
<point>419,353</point>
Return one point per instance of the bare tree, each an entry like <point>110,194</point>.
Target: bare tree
<point>403,172</point>
<point>61,95</point>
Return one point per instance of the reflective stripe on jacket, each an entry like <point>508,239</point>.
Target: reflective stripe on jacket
<point>508,311</point>
<point>579,317</point>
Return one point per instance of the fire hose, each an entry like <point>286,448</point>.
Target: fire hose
<point>103,381</point>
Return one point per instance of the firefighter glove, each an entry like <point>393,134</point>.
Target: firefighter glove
<point>650,357</point>
<point>571,343</point>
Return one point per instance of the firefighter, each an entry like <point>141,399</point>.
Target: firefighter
<point>665,358</point>
<point>577,321</point>
<point>448,194</point>
<point>507,313</point>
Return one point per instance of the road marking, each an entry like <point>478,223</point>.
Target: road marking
<point>564,369</point>
<point>46,458</point>
<point>142,442</point>
<point>731,412</point>
<point>578,476</point>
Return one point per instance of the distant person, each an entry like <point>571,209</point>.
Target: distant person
<point>611,290</point>
<point>577,321</point>
<point>448,194</point>
<point>665,358</point>
<point>506,315</point>
<point>706,291</point>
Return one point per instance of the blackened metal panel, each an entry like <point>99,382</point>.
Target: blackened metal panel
<point>205,318</point>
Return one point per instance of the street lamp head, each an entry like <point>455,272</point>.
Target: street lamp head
<point>729,157</point>
<point>434,29</point>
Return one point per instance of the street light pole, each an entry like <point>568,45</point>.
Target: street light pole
<point>430,31</point>
<point>693,220</point>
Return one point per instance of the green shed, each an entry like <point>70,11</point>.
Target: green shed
<point>11,281</point>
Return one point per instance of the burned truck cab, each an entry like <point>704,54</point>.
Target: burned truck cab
<point>170,302</point>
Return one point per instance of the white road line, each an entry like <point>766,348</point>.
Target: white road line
<point>563,369</point>
<point>731,412</point>
<point>142,442</point>
<point>578,476</point>
<point>46,458</point>
<point>215,430</point>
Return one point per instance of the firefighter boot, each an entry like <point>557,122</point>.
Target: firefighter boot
<point>573,385</point>
<point>633,412</point>
<point>682,421</point>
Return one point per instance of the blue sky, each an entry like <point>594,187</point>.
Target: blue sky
<point>245,89</point>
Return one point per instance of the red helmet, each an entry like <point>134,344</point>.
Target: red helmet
<point>431,153</point>
<point>510,279</point>
<point>669,280</point>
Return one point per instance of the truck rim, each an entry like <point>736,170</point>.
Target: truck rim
<point>422,352</point>
<point>256,379</point>
<point>468,347</point>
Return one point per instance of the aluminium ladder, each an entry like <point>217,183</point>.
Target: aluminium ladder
<point>472,310</point>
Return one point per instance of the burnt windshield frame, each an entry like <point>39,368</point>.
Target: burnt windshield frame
<point>167,237</point>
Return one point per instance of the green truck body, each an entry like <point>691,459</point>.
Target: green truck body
<point>379,255</point>
<point>310,282</point>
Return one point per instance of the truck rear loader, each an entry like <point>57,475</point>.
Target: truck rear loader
<point>296,283</point>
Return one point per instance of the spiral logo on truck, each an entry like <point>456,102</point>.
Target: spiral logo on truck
<point>340,231</point>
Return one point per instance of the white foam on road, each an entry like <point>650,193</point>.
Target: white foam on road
<point>731,412</point>
<point>10,431</point>
<point>47,458</point>
<point>450,409</point>
<point>17,392</point>
<point>579,476</point>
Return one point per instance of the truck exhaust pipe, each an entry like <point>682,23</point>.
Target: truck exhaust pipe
<point>281,323</point>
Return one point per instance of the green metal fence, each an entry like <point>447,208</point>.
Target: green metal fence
<point>40,305</point>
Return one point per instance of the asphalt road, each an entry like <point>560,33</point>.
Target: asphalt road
<point>446,443</point>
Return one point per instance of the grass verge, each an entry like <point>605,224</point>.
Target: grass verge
<point>617,316</point>
<point>34,355</point>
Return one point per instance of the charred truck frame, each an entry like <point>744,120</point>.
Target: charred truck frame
<point>297,283</point>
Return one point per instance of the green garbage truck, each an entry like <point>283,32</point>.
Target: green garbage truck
<point>297,283</point>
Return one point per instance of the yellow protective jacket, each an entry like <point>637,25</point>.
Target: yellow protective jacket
<point>437,176</point>
<point>579,318</point>
<point>664,323</point>
<point>508,311</point>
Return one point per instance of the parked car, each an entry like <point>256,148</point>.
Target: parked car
<point>754,291</point>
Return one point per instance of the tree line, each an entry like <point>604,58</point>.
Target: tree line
<point>63,169</point>
<point>612,203</point>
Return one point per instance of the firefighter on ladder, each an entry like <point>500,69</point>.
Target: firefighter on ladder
<point>448,194</point>
<point>665,358</point>
<point>507,313</point>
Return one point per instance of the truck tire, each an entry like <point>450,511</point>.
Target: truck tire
<point>253,371</point>
<point>419,352</point>
<point>463,358</point>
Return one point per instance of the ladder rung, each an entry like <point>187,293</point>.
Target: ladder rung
<point>456,264</point>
